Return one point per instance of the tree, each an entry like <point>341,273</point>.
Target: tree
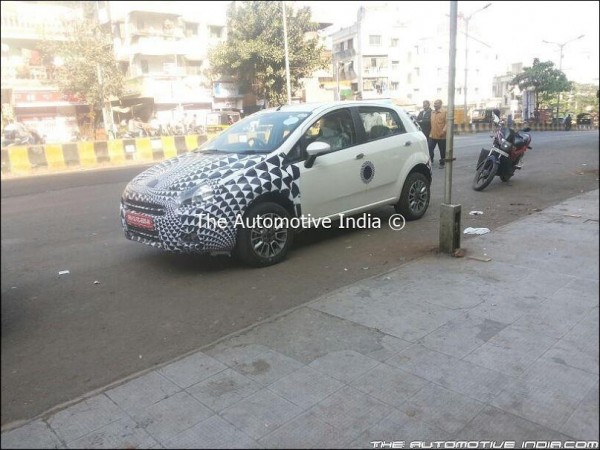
<point>254,51</point>
<point>583,98</point>
<point>83,65</point>
<point>543,79</point>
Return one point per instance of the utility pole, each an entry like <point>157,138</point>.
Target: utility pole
<point>450,214</point>
<point>560,64</point>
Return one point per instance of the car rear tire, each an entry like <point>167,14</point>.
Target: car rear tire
<point>261,245</point>
<point>415,196</point>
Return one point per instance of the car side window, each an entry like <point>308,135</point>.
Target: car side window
<point>335,128</point>
<point>380,122</point>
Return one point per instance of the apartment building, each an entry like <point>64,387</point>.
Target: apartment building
<point>162,48</point>
<point>27,94</point>
<point>386,53</point>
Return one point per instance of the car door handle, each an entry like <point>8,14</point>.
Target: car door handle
<point>360,156</point>
<point>407,143</point>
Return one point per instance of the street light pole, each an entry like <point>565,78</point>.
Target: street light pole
<point>561,46</point>
<point>467,19</point>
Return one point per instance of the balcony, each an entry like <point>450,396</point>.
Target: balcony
<point>24,76</point>
<point>374,72</point>
<point>344,54</point>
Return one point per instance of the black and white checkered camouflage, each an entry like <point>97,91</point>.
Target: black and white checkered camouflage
<point>236,180</point>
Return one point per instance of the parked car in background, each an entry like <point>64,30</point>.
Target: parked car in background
<point>240,192</point>
<point>584,119</point>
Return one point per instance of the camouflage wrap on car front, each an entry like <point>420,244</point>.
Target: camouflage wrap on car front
<point>236,180</point>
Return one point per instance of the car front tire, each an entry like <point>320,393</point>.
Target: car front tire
<point>259,245</point>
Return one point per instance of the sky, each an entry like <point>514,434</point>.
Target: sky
<point>514,29</point>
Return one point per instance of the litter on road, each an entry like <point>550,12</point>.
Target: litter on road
<point>476,213</point>
<point>63,272</point>
<point>471,230</point>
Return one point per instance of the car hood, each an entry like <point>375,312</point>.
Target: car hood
<point>179,174</point>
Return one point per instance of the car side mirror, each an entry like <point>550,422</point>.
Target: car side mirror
<point>315,149</point>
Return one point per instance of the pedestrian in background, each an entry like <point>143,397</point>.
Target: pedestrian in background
<point>437,135</point>
<point>424,119</point>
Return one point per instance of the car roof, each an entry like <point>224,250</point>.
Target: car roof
<point>316,107</point>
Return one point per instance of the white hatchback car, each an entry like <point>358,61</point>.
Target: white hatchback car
<point>301,161</point>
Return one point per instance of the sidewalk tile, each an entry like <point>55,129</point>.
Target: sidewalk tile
<point>344,365</point>
<point>305,431</point>
<point>497,425</point>
<point>512,351</point>
<point>350,411</point>
<point>223,389</point>
<point>192,369</point>
<point>267,367</point>
<point>583,424</point>
<point>213,432</point>
<point>139,393</point>
<point>399,427</point>
<point>557,375</point>
<point>36,434</point>
<point>123,433</point>
<point>452,373</point>
<point>261,413</point>
<point>442,408</point>
<point>167,418</point>
<point>84,417</point>
<point>462,335</point>
<point>546,405</point>
<point>306,334</point>
<point>389,384</point>
<point>305,387</point>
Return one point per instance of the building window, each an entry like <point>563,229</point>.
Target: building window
<point>394,85</point>
<point>373,62</point>
<point>409,78</point>
<point>394,42</point>
<point>395,65</point>
<point>350,44</point>
<point>144,64</point>
<point>215,32</point>
<point>375,40</point>
<point>417,71</point>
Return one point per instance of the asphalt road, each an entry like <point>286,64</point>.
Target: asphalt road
<point>125,307</point>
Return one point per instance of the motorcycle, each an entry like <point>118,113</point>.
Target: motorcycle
<point>505,157</point>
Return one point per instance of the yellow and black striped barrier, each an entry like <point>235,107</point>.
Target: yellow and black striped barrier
<point>486,127</point>
<point>25,160</point>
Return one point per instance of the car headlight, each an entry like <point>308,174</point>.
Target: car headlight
<point>197,194</point>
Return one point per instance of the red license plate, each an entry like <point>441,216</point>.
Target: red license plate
<point>139,220</point>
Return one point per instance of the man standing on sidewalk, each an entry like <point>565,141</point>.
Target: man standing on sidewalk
<point>437,135</point>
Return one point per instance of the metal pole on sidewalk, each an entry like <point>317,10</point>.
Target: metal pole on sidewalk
<point>450,214</point>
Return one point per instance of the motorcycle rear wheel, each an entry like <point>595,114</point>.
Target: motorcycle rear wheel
<point>485,173</point>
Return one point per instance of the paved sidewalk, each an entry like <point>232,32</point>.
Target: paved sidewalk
<point>439,349</point>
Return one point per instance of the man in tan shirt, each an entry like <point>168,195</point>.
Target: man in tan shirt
<point>437,135</point>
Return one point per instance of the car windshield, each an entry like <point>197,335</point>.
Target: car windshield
<point>261,132</point>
